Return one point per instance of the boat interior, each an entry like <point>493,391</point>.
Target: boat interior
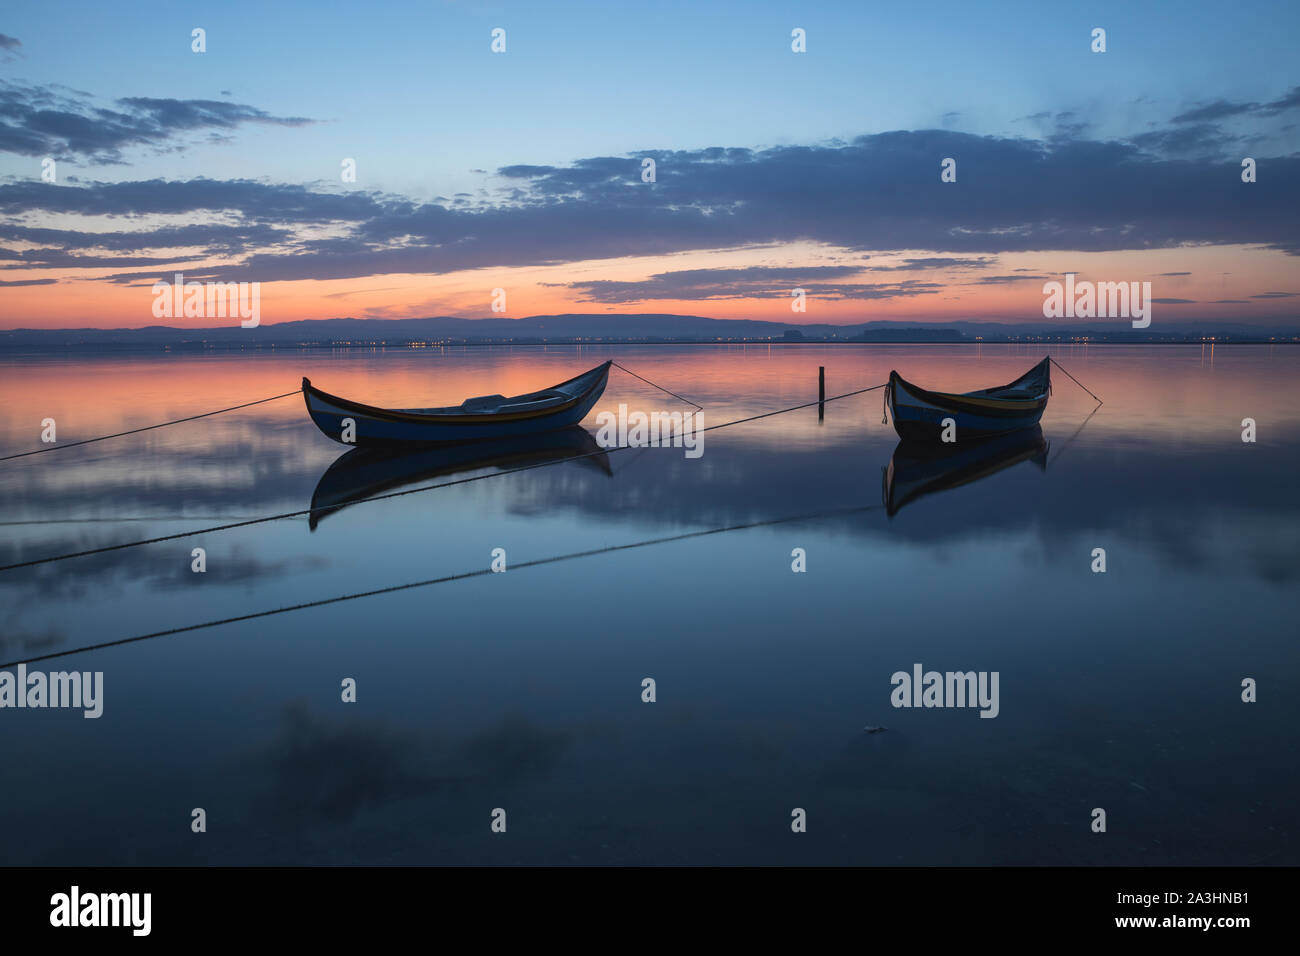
<point>1030,385</point>
<point>490,404</point>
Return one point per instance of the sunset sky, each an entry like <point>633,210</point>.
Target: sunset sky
<point>522,170</point>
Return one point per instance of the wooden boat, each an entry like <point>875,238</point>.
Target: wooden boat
<point>487,418</point>
<point>917,470</point>
<point>362,472</point>
<point>919,413</point>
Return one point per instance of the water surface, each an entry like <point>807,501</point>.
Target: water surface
<point>523,690</point>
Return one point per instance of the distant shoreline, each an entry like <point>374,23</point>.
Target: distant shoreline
<point>624,330</point>
<point>202,348</point>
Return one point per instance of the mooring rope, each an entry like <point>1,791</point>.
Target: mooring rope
<point>163,519</point>
<point>262,401</point>
<point>298,391</point>
<point>398,494</point>
<point>442,580</point>
<point>1073,379</point>
<point>135,431</point>
<point>660,387</point>
<point>1060,451</point>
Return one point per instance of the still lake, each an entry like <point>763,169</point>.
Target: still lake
<point>523,691</point>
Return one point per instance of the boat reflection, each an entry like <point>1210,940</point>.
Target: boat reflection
<point>920,469</point>
<point>363,472</point>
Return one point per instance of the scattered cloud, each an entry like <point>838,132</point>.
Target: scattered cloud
<point>748,283</point>
<point>53,121</point>
<point>937,262</point>
<point>1003,280</point>
<point>875,193</point>
<point>1225,109</point>
<point>1201,139</point>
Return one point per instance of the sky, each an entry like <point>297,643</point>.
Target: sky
<point>522,171</point>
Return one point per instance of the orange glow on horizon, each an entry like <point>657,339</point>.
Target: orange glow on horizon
<point>1238,274</point>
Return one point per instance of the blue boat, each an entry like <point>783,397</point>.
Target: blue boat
<point>920,414</point>
<point>486,418</point>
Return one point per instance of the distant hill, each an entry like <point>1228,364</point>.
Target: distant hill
<point>533,329</point>
<point>574,328</point>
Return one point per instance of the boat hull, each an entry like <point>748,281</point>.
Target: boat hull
<point>380,426</point>
<point>919,414</point>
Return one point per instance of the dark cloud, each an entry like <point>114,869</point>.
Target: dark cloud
<point>1219,109</point>
<point>47,121</point>
<point>1057,126</point>
<point>1290,101</point>
<point>876,193</point>
<point>1003,280</point>
<point>1201,139</point>
<point>1175,273</point>
<point>936,262</point>
<point>1067,127</point>
<point>58,259</point>
<point>254,202</point>
<point>1225,109</point>
<point>1174,301</point>
<point>524,171</point>
<point>1275,295</point>
<point>747,283</point>
<point>58,248</point>
<point>17,282</point>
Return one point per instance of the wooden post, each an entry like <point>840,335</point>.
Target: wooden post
<point>821,392</point>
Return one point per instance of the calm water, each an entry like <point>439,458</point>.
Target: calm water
<point>523,690</point>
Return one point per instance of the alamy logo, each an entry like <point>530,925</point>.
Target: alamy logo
<point>57,689</point>
<point>951,689</point>
<point>212,300</point>
<point>1102,300</point>
<point>103,909</point>
<point>655,430</point>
